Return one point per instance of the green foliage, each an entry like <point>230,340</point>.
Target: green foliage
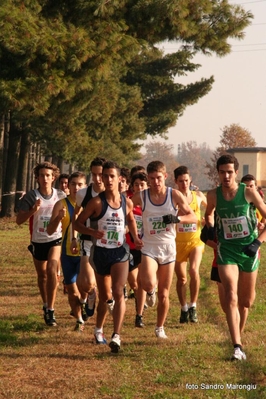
<point>86,77</point>
<point>195,157</point>
<point>233,136</point>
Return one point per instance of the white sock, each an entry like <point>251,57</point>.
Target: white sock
<point>185,307</point>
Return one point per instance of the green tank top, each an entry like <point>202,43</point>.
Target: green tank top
<point>235,219</point>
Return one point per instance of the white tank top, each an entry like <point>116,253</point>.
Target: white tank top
<point>154,230</point>
<point>43,216</point>
<point>112,222</point>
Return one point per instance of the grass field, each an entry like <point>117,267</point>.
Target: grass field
<point>41,362</point>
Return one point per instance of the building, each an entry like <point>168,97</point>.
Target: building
<point>251,160</point>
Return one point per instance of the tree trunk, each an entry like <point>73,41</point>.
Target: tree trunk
<point>2,133</point>
<point>22,167</point>
<point>9,187</point>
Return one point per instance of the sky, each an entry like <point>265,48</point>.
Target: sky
<point>238,94</point>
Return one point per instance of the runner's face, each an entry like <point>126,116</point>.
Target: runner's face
<point>75,185</point>
<point>139,185</point>
<point>157,180</point>
<point>97,175</point>
<point>123,186</point>
<point>45,178</point>
<point>227,175</point>
<point>63,184</point>
<point>250,184</point>
<point>183,182</point>
<point>111,179</point>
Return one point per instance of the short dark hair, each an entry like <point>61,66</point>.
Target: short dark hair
<point>98,161</point>
<point>226,159</point>
<point>77,174</point>
<point>136,169</point>
<point>248,177</point>
<point>112,165</point>
<point>181,170</point>
<point>156,166</point>
<point>141,176</point>
<point>63,176</point>
<point>125,172</point>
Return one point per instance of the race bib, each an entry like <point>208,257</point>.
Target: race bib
<point>235,228</point>
<point>156,225</point>
<point>139,223</point>
<point>42,224</point>
<point>186,227</point>
<point>113,237</point>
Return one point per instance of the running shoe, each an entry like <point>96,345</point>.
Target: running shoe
<point>83,312</point>
<point>151,298</point>
<point>238,354</point>
<point>90,303</point>
<point>115,343</point>
<point>159,332</point>
<point>99,338</point>
<point>110,305</point>
<point>139,322</point>
<point>79,326</point>
<point>192,313</point>
<point>51,322</point>
<point>131,294</point>
<point>45,314</point>
<point>184,316</point>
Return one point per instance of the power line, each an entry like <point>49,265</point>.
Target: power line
<point>251,2</point>
<point>245,51</point>
<point>252,44</point>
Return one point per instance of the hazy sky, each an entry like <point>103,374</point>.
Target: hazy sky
<point>239,91</point>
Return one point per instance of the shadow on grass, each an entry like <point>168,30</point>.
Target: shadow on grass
<point>12,331</point>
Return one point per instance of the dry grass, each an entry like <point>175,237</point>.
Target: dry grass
<point>40,362</point>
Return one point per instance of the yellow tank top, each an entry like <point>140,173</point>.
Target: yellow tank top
<point>190,231</point>
<point>67,230</point>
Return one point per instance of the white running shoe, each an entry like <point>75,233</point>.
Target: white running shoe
<point>151,298</point>
<point>110,306</point>
<point>99,337</point>
<point>159,332</point>
<point>115,343</point>
<point>238,354</point>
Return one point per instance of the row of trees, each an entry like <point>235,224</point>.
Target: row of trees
<point>199,158</point>
<point>82,78</point>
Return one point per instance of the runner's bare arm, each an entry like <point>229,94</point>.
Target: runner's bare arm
<point>92,209</point>
<point>23,216</point>
<point>59,212</point>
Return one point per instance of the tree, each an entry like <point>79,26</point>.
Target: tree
<point>159,151</point>
<point>233,136</point>
<point>195,156</point>
<point>84,78</point>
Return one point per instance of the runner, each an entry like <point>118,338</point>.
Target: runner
<point>37,205</point>
<point>109,212</point>
<point>238,244</point>
<point>159,250</point>
<point>189,247</point>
